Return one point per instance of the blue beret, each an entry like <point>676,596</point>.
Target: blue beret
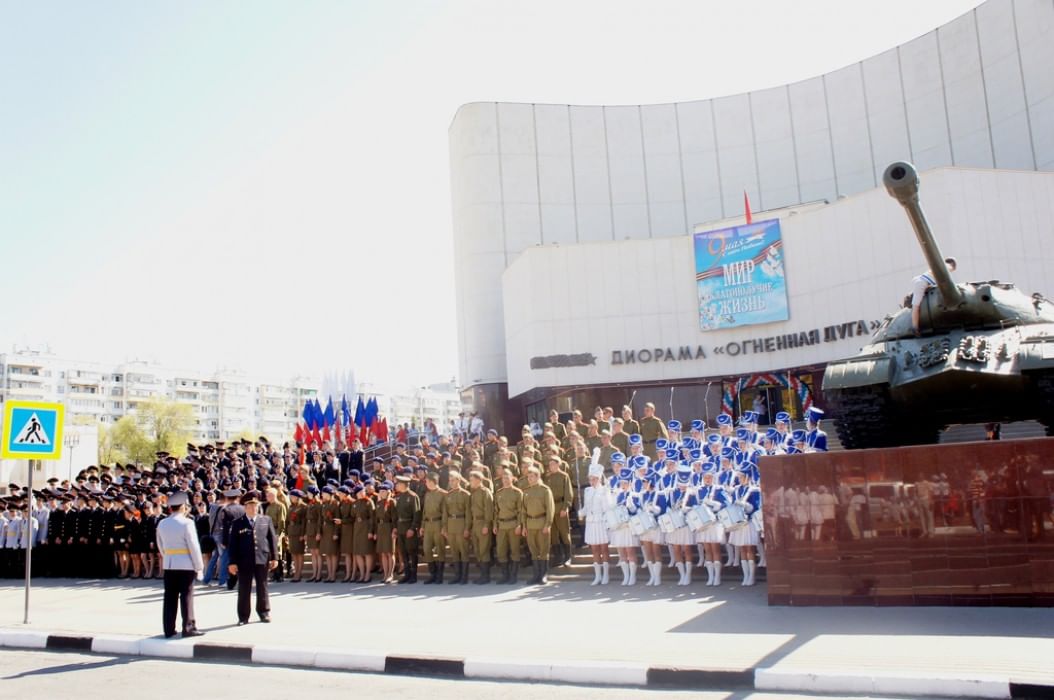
<point>328,489</point>
<point>385,486</point>
<point>357,490</point>
<point>313,490</point>
<point>354,472</point>
<point>297,492</point>
<point>332,482</point>
<point>345,489</point>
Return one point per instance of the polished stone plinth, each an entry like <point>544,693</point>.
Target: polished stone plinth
<point>962,524</point>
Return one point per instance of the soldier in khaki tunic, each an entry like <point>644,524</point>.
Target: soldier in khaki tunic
<point>346,522</point>
<point>313,533</point>
<point>554,424</point>
<point>362,544</point>
<point>481,522</point>
<point>455,526</point>
<point>384,532</point>
<point>629,425</point>
<point>559,484</point>
<point>277,512</point>
<point>538,512</point>
<point>619,442</point>
<point>295,524</point>
<point>508,527</point>
<point>329,543</point>
<point>407,527</point>
<point>432,527</point>
<point>651,429</point>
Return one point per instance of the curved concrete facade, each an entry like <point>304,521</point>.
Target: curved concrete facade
<point>977,92</point>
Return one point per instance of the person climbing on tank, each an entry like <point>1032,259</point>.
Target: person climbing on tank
<point>919,285</point>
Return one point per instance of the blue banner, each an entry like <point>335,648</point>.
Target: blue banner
<point>739,275</point>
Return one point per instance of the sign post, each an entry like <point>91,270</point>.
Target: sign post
<point>32,430</point>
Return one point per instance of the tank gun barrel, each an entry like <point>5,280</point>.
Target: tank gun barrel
<point>902,182</point>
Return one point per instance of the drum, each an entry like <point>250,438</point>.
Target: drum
<point>666,523</point>
<point>616,517</point>
<point>648,521</point>
<point>700,518</point>
<point>758,521</point>
<point>732,517</point>
<point>677,516</point>
<point>636,525</point>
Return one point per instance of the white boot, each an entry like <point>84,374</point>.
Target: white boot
<point>632,574</point>
<point>596,575</point>
<point>605,568</point>
<point>702,552</point>
<point>656,572</point>
<point>625,572</point>
<point>761,555</point>
<point>717,572</point>
<point>731,552</point>
<point>651,573</point>
<point>752,569</point>
<point>746,571</point>
<point>687,574</point>
<point>680,568</point>
<point>669,550</point>
<point>709,572</point>
<point>736,559</point>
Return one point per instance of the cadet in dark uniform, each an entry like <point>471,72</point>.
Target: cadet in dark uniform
<point>408,526</point>
<point>253,554</point>
<point>329,544</point>
<point>384,530</point>
<point>313,533</point>
<point>362,544</point>
<point>346,522</point>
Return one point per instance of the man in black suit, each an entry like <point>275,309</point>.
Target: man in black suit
<point>253,553</point>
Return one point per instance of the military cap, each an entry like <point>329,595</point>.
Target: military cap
<point>177,499</point>
<point>384,486</point>
<point>251,497</point>
<point>403,479</point>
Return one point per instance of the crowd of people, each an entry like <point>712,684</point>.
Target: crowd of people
<point>652,491</point>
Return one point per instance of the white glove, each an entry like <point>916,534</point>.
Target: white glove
<point>200,574</point>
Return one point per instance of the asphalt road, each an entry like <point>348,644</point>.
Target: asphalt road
<point>26,674</point>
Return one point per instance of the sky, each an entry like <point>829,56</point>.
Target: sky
<point>264,186</point>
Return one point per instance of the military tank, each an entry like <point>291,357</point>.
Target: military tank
<point>983,352</point>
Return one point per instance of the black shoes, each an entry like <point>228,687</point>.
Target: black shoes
<point>265,618</point>
<point>193,633</point>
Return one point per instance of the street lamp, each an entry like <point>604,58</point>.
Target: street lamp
<point>71,440</point>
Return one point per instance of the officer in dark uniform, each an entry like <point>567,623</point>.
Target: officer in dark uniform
<point>253,554</point>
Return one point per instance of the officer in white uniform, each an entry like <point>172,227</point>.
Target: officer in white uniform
<point>177,542</point>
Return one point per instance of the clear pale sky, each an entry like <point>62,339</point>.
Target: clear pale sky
<point>264,185</point>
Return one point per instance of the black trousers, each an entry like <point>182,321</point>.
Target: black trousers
<point>179,587</point>
<point>245,584</point>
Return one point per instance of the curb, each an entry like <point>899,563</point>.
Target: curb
<point>610,673</point>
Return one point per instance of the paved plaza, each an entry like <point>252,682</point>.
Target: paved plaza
<point>730,629</point>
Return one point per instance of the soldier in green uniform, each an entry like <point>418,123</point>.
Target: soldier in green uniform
<point>559,484</point>
<point>456,531</point>
<point>629,425</point>
<point>384,534</point>
<point>407,526</point>
<point>346,522</point>
<point>481,522</point>
<point>313,533</point>
<point>432,528</point>
<point>295,523</point>
<point>538,512</point>
<point>362,545</point>
<point>508,527</point>
<point>329,545</point>
<point>651,429</point>
<point>559,431</point>
<point>277,511</point>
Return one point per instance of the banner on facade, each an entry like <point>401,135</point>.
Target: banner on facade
<point>739,275</point>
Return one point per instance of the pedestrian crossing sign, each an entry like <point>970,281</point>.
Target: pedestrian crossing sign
<point>32,430</point>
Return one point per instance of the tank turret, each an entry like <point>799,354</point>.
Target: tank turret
<point>983,352</point>
<point>902,182</point>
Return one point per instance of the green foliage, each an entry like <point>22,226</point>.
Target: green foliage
<point>157,425</point>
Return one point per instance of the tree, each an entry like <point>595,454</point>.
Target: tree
<point>126,440</point>
<point>166,424</point>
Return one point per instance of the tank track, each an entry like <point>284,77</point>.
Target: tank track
<point>868,418</point>
<point>1043,383</point>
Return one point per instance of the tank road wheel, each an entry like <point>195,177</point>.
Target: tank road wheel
<point>868,418</point>
<point>1043,386</point>
<point>864,416</point>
